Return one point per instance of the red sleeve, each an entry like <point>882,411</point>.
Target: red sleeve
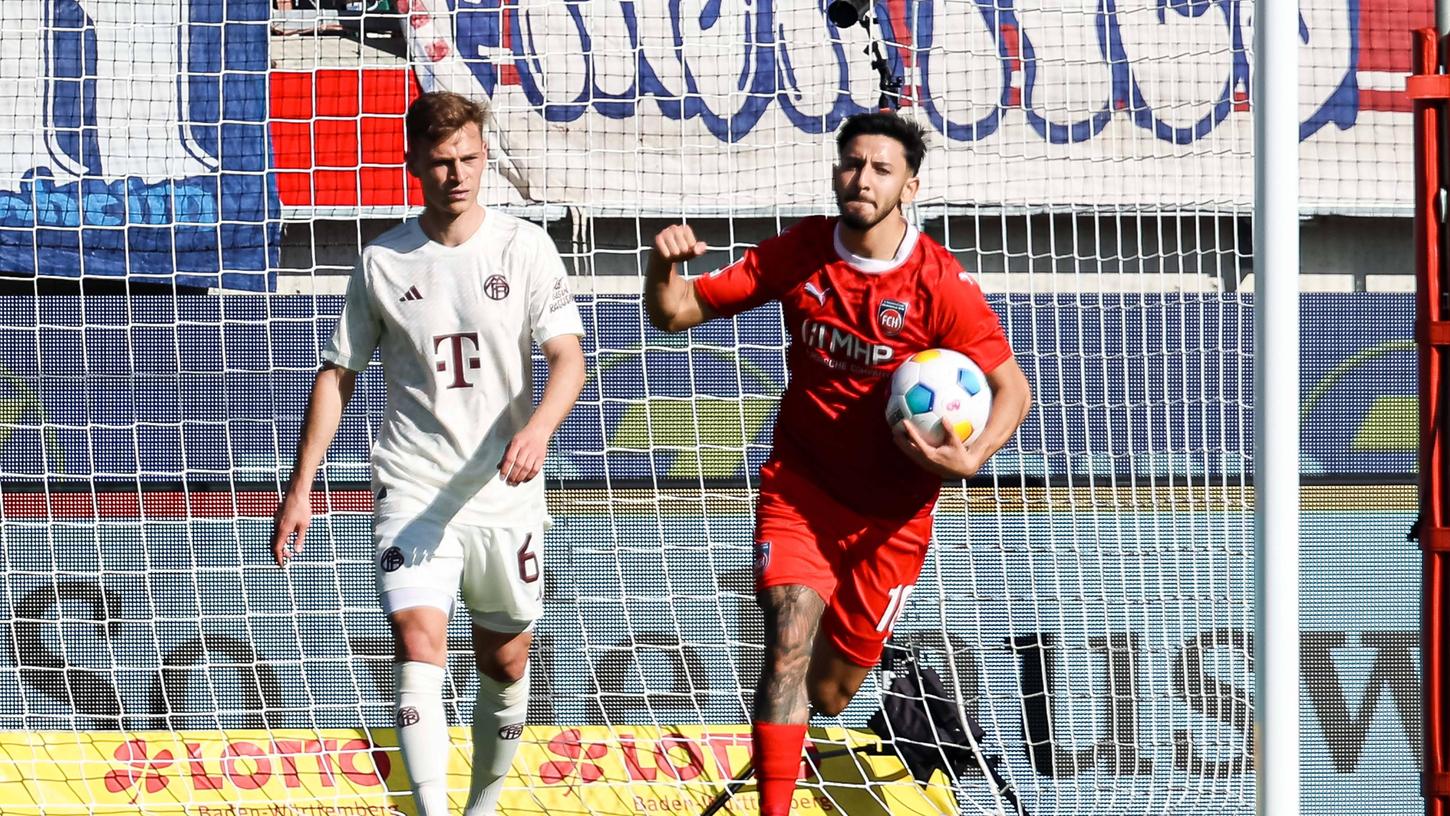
<point>763,274</point>
<point>968,324</point>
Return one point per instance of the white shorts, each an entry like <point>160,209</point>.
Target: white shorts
<point>500,570</point>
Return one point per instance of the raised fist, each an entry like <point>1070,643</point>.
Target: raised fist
<point>677,243</point>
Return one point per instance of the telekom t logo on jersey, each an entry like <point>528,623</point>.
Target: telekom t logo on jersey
<point>456,357</point>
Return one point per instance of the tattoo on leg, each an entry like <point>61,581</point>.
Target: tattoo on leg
<point>792,615</point>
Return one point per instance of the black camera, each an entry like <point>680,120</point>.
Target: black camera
<point>846,13</point>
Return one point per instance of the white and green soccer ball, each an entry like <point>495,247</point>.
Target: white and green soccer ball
<point>940,387</point>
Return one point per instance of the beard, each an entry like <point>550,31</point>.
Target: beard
<point>857,222</point>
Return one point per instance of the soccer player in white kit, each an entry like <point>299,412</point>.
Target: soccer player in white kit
<point>454,300</point>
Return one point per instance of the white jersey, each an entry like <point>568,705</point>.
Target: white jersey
<point>455,326</point>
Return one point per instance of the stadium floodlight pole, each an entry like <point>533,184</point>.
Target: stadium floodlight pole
<point>1275,103</point>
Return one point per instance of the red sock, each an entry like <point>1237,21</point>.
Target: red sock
<point>777,764</point>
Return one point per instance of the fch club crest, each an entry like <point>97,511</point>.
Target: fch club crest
<point>762,557</point>
<point>891,314</point>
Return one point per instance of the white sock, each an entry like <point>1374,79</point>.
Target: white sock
<point>423,734</point>
<point>498,725</point>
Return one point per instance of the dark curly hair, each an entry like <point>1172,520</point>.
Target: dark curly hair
<point>885,123</point>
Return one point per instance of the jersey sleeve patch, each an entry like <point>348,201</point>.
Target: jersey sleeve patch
<point>559,297</point>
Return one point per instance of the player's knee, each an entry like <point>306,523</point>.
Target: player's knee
<point>420,633</point>
<point>506,669</point>
<point>416,643</point>
<point>501,656</point>
<point>416,649</point>
<point>830,699</point>
<point>832,686</point>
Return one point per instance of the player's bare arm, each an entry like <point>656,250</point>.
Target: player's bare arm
<point>1011,399</point>
<point>331,390</point>
<point>524,457</point>
<point>792,615</point>
<point>670,299</point>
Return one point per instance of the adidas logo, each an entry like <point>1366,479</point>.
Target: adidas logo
<point>411,294</point>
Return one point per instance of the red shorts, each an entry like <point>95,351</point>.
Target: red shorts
<point>864,568</point>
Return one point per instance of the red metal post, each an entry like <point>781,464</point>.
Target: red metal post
<point>1430,90</point>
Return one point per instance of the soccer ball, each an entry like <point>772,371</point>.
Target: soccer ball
<point>940,386</point>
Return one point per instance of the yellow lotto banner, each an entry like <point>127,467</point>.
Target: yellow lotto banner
<point>346,772</point>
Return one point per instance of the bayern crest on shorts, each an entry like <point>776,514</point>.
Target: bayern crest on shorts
<point>392,559</point>
<point>891,314</point>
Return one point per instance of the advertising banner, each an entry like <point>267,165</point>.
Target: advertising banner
<point>730,106</point>
<point>137,142</point>
<point>578,771</point>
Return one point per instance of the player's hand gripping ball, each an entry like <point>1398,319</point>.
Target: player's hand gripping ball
<point>940,386</point>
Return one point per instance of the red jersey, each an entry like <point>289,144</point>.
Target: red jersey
<point>849,329</point>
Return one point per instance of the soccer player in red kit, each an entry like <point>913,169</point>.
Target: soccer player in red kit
<point>843,518</point>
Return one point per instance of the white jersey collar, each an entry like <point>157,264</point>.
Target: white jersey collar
<point>483,228</point>
<point>877,266</point>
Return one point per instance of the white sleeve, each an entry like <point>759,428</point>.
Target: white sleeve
<point>358,327</point>
<point>552,311</point>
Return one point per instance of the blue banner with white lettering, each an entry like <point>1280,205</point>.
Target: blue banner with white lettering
<point>139,145</point>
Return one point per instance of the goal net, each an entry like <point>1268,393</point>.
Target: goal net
<point>187,184</point>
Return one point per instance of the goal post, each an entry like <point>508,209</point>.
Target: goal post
<point>1276,408</point>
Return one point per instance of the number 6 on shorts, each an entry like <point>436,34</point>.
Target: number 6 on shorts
<point>528,561</point>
